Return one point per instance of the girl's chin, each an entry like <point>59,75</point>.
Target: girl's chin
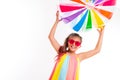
<point>72,50</point>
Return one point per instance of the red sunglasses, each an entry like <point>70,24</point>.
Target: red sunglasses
<point>77,43</point>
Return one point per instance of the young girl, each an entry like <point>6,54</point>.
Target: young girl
<point>67,64</point>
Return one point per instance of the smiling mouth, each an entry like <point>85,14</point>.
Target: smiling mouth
<point>73,47</point>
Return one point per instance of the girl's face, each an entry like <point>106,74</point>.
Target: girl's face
<point>74,43</point>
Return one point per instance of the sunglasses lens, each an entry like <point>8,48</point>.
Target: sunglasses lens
<point>77,43</point>
<point>71,41</point>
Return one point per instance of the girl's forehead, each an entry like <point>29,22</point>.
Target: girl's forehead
<point>75,38</point>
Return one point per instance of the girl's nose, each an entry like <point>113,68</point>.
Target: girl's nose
<point>74,44</point>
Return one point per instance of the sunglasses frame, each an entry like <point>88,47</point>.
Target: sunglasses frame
<point>77,43</point>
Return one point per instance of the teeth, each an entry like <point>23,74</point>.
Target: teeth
<point>73,47</point>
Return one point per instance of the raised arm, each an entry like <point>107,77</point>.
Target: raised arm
<point>97,48</point>
<point>51,37</point>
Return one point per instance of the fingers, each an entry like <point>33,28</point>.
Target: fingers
<point>57,13</point>
<point>57,16</point>
<point>101,30</point>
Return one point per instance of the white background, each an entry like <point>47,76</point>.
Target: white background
<point>26,53</point>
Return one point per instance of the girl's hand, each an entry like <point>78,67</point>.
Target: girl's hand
<point>57,17</point>
<point>101,30</point>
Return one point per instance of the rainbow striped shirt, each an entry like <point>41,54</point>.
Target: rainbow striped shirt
<point>66,68</point>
